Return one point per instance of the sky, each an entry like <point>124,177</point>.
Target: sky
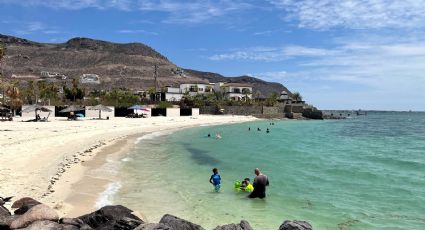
<point>339,54</point>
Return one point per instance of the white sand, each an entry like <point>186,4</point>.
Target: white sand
<point>32,155</point>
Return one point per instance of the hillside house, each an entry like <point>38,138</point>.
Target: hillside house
<point>235,91</point>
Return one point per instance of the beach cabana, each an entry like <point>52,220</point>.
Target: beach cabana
<point>37,108</point>
<point>141,108</point>
<point>101,108</point>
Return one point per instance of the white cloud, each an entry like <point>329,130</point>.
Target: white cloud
<point>371,74</point>
<point>74,4</point>
<point>130,31</point>
<point>194,11</point>
<point>271,53</point>
<point>31,27</point>
<point>359,14</point>
<point>179,12</point>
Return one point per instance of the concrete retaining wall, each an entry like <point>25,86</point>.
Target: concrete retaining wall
<point>195,112</point>
<point>173,112</point>
<point>95,113</point>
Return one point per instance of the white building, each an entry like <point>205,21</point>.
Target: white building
<point>235,91</point>
<point>89,79</point>
<point>45,74</point>
<point>196,88</point>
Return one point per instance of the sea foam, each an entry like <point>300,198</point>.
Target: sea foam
<point>106,197</point>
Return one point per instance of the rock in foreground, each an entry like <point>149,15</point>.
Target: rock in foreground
<point>243,225</point>
<point>295,225</point>
<point>38,216</point>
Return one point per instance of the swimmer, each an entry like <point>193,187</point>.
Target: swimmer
<point>217,136</point>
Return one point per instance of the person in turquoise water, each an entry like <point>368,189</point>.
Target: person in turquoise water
<point>246,185</point>
<point>215,180</point>
<point>260,183</point>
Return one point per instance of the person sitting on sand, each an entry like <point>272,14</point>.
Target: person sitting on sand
<point>215,180</point>
<point>246,185</point>
<point>260,183</point>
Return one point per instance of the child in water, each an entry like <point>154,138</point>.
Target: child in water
<point>215,180</point>
<point>246,185</point>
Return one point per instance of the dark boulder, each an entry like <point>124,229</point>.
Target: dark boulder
<point>176,223</point>
<point>44,224</point>
<point>243,225</point>
<point>295,225</point>
<point>4,211</point>
<point>313,114</point>
<point>153,227</point>
<point>38,212</point>
<point>24,204</point>
<point>72,221</point>
<point>6,221</point>
<point>111,217</point>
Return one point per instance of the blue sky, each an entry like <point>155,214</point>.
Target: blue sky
<point>339,54</point>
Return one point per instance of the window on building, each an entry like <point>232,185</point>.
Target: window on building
<point>236,90</point>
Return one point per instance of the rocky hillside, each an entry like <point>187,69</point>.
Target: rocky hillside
<point>118,65</point>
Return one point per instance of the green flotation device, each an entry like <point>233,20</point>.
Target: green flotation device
<point>238,186</point>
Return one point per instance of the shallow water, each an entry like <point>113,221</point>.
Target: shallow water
<point>362,173</point>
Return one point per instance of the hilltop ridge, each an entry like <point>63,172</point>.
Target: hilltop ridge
<point>119,65</point>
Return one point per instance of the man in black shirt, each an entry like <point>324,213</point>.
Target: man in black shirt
<point>260,183</point>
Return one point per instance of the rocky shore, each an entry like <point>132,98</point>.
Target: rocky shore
<point>30,214</point>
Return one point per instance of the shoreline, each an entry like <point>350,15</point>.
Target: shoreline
<point>59,155</point>
<point>93,185</point>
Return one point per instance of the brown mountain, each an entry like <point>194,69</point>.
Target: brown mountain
<point>118,65</point>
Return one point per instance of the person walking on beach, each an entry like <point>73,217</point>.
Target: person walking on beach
<point>215,180</point>
<point>260,183</point>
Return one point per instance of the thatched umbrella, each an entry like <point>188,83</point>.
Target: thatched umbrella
<point>72,108</point>
<point>36,108</point>
<point>101,108</point>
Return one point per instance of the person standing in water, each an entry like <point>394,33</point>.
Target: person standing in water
<point>215,180</point>
<point>260,183</point>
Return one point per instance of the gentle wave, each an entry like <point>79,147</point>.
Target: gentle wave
<point>151,136</point>
<point>106,197</point>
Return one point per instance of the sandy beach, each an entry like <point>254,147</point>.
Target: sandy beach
<point>48,160</point>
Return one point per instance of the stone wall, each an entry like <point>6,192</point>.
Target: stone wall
<point>294,111</point>
<point>270,110</point>
<point>243,110</point>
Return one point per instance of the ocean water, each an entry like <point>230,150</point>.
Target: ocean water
<point>362,173</point>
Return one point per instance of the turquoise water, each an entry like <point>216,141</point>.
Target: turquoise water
<point>361,173</point>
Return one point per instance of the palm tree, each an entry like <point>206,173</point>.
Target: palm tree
<point>296,96</point>
<point>15,98</point>
<point>246,91</point>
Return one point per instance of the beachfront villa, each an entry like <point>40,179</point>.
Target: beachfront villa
<point>233,91</point>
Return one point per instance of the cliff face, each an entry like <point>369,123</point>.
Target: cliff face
<point>127,65</point>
